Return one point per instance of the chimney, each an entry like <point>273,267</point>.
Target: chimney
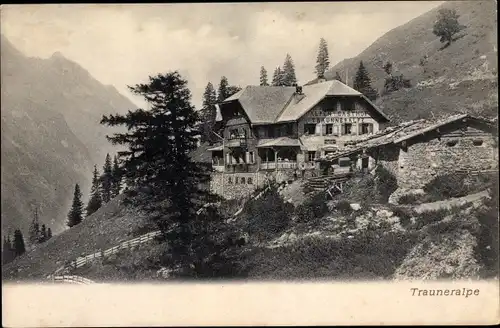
<point>298,89</point>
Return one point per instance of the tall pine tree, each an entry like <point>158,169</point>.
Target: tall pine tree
<point>43,234</point>
<point>222,92</point>
<point>322,60</point>
<point>362,83</point>
<point>277,77</point>
<point>34,230</point>
<point>95,199</point>
<point>49,233</point>
<point>263,76</point>
<point>18,244</point>
<point>168,185</point>
<point>75,215</point>
<point>106,179</point>
<point>117,178</point>
<point>208,111</point>
<point>7,250</point>
<point>289,79</point>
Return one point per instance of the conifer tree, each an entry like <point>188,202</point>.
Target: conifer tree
<point>75,215</point>
<point>222,92</point>
<point>95,200</point>
<point>231,90</point>
<point>34,230</point>
<point>106,180</point>
<point>18,244</point>
<point>277,77</point>
<point>117,178</point>
<point>322,60</point>
<point>43,234</point>
<point>49,233</point>
<point>208,112</point>
<point>263,76</point>
<point>338,78</point>
<point>289,78</point>
<point>167,184</point>
<point>362,83</point>
<point>7,250</point>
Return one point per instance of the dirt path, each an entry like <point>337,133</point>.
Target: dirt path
<point>448,203</point>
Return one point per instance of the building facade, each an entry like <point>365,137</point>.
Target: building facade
<point>275,132</point>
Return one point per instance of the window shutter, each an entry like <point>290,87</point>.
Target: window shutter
<point>247,157</point>
<point>324,129</point>
<point>318,129</point>
<point>370,128</point>
<point>228,158</point>
<point>335,129</point>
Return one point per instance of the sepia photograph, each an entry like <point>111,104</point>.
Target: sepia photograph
<point>210,144</point>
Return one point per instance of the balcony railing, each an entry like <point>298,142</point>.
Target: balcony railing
<point>236,142</point>
<point>218,168</point>
<point>278,165</point>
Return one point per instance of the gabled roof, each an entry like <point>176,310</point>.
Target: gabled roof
<point>400,133</point>
<point>270,104</point>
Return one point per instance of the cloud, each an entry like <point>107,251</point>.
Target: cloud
<point>123,44</point>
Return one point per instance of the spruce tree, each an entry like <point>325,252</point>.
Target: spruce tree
<point>338,78</point>
<point>167,184</point>
<point>117,178</point>
<point>7,250</point>
<point>95,200</point>
<point>49,233</point>
<point>75,215</point>
<point>106,179</point>
<point>222,92</point>
<point>34,230</point>
<point>362,83</point>
<point>19,247</point>
<point>289,78</point>
<point>208,112</point>
<point>43,234</point>
<point>322,60</point>
<point>231,90</point>
<point>277,77</point>
<point>263,76</point>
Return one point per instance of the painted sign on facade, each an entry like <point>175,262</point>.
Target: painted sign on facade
<point>320,116</point>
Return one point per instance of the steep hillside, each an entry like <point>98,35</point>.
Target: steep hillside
<point>105,228</point>
<point>461,77</point>
<point>51,134</point>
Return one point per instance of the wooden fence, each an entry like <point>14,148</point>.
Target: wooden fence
<point>128,244</point>
<point>71,279</point>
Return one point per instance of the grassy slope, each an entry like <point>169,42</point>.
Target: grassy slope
<point>104,229</point>
<point>461,77</point>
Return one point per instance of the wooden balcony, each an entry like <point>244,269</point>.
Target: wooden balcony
<point>278,165</point>
<point>236,142</point>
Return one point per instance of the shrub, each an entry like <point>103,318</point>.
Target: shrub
<point>404,214</point>
<point>431,216</point>
<point>395,82</point>
<point>457,185</point>
<point>267,216</point>
<point>410,199</point>
<point>344,207</point>
<point>386,184</point>
<point>313,208</point>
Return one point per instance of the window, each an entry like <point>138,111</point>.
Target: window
<point>347,104</point>
<point>366,128</point>
<point>242,180</point>
<point>252,157</point>
<point>235,180</point>
<point>311,155</point>
<point>451,143</point>
<point>229,180</point>
<point>249,181</point>
<point>289,129</point>
<point>233,133</point>
<point>309,128</point>
<point>329,129</point>
<point>347,128</point>
<point>477,142</point>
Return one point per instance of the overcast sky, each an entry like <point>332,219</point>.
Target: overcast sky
<point>123,44</point>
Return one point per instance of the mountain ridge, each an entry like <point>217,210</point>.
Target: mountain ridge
<point>51,134</point>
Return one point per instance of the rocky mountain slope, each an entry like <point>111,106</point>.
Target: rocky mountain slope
<point>51,134</point>
<point>462,77</point>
